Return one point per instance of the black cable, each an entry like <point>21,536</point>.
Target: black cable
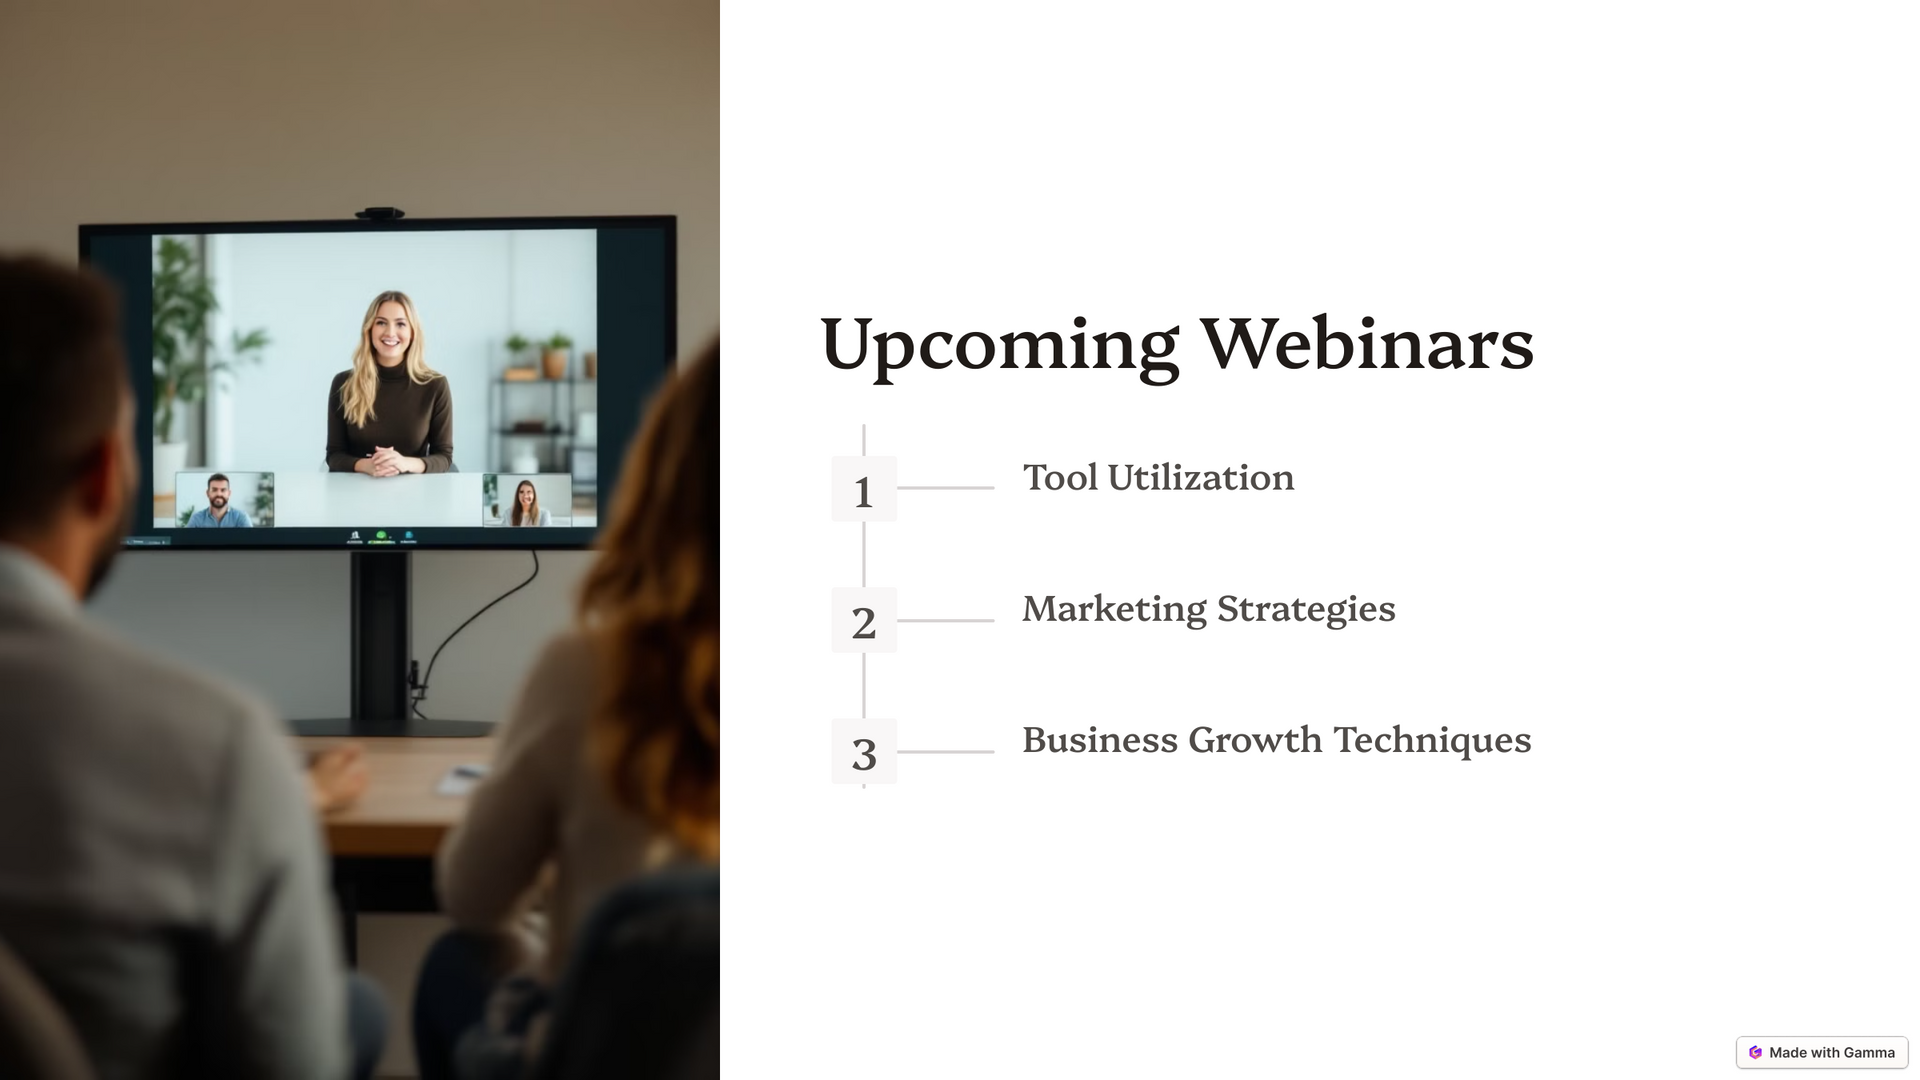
<point>420,688</point>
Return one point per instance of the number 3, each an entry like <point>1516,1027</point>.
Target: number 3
<point>867,753</point>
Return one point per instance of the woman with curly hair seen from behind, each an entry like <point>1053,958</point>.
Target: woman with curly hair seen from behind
<point>609,765</point>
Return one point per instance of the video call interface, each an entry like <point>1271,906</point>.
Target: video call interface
<point>386,386</point>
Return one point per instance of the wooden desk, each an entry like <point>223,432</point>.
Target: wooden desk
<point>402,815</point>
<point>383,846</point>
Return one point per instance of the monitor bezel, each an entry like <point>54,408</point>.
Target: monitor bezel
<point>475,538</point>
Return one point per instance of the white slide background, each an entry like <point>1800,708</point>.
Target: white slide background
<point>1677,550</point>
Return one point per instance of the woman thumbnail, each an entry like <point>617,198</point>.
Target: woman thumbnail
<point>390,414</point>
<point>527,510</point>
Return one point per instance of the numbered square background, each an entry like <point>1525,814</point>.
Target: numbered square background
<point>850,608</point>
<point>849,753</point>
<point>882,491</point>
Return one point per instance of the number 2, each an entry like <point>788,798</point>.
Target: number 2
<point>863,632</point>
<point>867,753</point>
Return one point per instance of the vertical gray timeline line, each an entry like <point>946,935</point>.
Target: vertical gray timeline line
<point>863,584</point>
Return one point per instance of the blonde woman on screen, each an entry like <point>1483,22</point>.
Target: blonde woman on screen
<point>526,507</point>
<point>390,414</point>
<point>609,764</point>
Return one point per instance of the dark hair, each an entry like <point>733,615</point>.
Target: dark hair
<point>652,605</point>
<point>220,476</point>
<point>62,367</point>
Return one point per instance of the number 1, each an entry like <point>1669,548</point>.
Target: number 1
<point>864,504</point>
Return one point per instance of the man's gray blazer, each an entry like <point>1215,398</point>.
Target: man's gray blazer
<point>160,866</point>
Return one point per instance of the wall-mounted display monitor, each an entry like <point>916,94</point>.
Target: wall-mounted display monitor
<point>455,383</point>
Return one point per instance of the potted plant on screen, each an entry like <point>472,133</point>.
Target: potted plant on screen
<point>516,348</point>
<point>555,359</point>
<point>263,502</point>
<point>184,360</point>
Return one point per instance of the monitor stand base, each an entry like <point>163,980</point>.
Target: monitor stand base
<point>415,728</point>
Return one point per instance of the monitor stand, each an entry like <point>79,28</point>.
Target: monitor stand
<point>382,641</point>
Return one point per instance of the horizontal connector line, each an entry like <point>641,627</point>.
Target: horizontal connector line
<point>943,620</point>
<point>943,487</point>
<point>943,751</point>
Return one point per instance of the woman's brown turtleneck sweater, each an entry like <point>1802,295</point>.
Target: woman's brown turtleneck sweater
<point>415,419</point>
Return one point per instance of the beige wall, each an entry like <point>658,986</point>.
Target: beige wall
<point>179,111</point>
<point>175,111</point>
